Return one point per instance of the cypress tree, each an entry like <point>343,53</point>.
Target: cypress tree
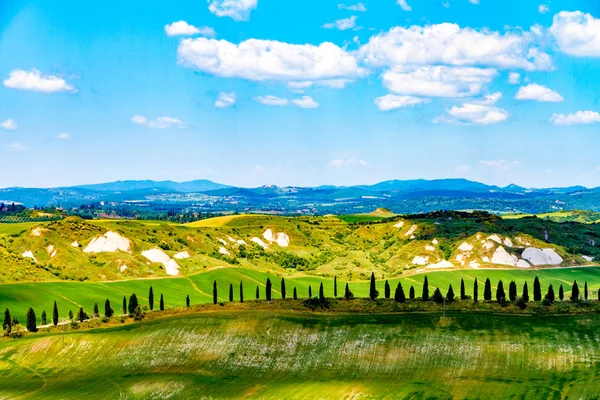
<point>7,324</point>
<point>411,293</point>
<point>373,293</point>
<point>55,314</point>
<point>487,290</point>
<point>475,291</point>
<point>124,305</point>
<point>108,311</point>
<point>321,293</point>
<point>335,287</point>
<point>70,315</point>
<point>585,291</point>
<point>187,301</point>
<point>309,292</point>
<point>575,292</point>
<point>151,299</point>
<point>348,295</point>
<point>215,292</point>
<point>450,294</point>
<point>500,295</point>
<point>295,294</point>
<point>133,303</point>
<point>44,317</point>
<point>463,293</point>
<point>525,296</point>
<point>241,292</point>
<point>283,288</point>
<point>537,290</point>
<point>81,314</point>
<point>425,294</point>
<point>231,292</point>
<point>161,304</point>
<point>512,291</point>
<point>437,296</point>
<point>399,294</point>
<point>31,321</point>
<point>257,293</point>
<point>96,313</point>
<point>550,295</point>
<point>561,293</point>
<point>268,290</point>
<point>387,289</point>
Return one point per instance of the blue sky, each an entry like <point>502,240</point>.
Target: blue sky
<point>253,92</point>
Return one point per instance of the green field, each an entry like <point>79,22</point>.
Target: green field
<point>301,356</point>
<point>19,297</point>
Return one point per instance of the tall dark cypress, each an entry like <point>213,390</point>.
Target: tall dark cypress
<point>295,294</point>
<point>257,293</point>
<point>585,291</point>
<point>230,292</point>
<point>425,294</point>
<point>487,290</point>
<point>161,304</point>
<point>335,287</point>
<point>512,291</point>
<point>463,293</point>
<point>309,292</point>
<point>475,291</point>
<point>550,295</point>
<point>187,301</point>
<point>133,303</point>
<point>241,292</point>
<point>348,295</point>
<point>450,294</point>
<point>124,306</point>
<point>373,293</point>
<point>44,317</point>
<point>561,293</point>
<point>215,299</point>
<point>387,290</point>
<point>81,314</point>
<point>411,293</point>
<point>7,324</point>
<point>321,292</point>
<point>575,292</point>
<point>500,294</point>
<point>537,290</point>
<point>96,312</point>
<point>525,295</point>
<point>151,298</point>
<point>283,288</point>
<point>55,314</point>
<point>399,294</point>
<point>31,320</point>
<point>268,290</point>
<point>108,311</point>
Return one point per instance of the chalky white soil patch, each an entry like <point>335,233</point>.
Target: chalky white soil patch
<point>51,251</point>
<point>411,230</point>
<point>182,255</point>
<point>399,224</point>
<point>259,242</point>
<point>110,242</point>
<point>441,264</point>
<point>541,256</point>
<point>281,238</point>
<point>588,258</point>
<point>502,257</point>
<point>75,244</point>
<point>159,256</point>
<point>420,260</point>
<point>37,232</point>
<point>224,251</point>
<point>465,247</point>
<point>29,254</point>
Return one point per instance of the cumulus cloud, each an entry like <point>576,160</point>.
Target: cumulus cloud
<point>355,7</point>
<point>438,81</point>
<point>256,59</point>
<point>514,78</point>
<point>340,163</point>
<point>238,10</point>
<point>64,136</point>
<point>225,100</point>
<point>272,100</point>
<point>392,102</point>
<point>17,147</point>
<point>473,113</point>
<point>536,92</point>
<point>159,122</point>
<point>9,124</point>
<point>404,5</point>
<point>180,28</point>
<point>578,118</point>
<point>34,80</point>
<point>305,102</point>
<point>449,44</point>
<point>342,24</point>
<point>543,8</point>
<point>576,33</point>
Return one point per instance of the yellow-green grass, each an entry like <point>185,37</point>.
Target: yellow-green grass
<point>217,222</point>
<point>9,229</point>
<point>303,356</point>
<point>18,297</point>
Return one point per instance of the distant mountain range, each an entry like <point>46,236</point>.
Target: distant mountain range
<point>398,195</point>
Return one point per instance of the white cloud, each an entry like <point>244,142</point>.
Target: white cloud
<point>225,100</point>
<point>64,136</point>
<point>183,28</point>
<point>340,163</point>
<point>474,1</point>
<point>404,5</point>
<point>272,100</point>
<point>499,164</point>
<point>342,24</point>
<point>330,83</point>
<point>488,99</point>
<point>578,118</point>
<point>256,59</point>
<point>536,92</point>
<point>449,44</point>
<point>17,147</point>
<point>9,125</point>
<point>35,81</point>
<point>446,4</point>
<point>470,113</point>
<point>543,8</point>
<point>576,33</point>
<point>159,123</point>
<point>392,102</point>
<point>356,7</point>
<point>514,78</point>
<point>238,10</point>
<point>305,102</point>
<point>438,81</point>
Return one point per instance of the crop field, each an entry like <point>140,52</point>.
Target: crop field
<point>284,356</point>
<point>18,297</point>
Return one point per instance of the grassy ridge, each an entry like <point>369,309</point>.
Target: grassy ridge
<point>281,355</point>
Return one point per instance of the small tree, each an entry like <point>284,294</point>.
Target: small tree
<point>399,294</point>
<point>585,291</point>
<point>268,290</point>
<point>241,292</point>
<point>215,299</point>
<point>500,294</point>
<point>549,298</point>
<point>537,290</point>
<point>283,288</point>
<point>151,299</point>
<point>561,293</point>
<point>96,312</point>
<point>387,290</point>
<point>295,294</point>
<point>437,296</point>
<point>348,295</point>
<point>373,293</point>
<point>335,287</point>
<point>31,320</point>
<point>463,292</point>
<point>124,305</point>
<point>81,314</point>
<point>7,324</point>
<point>108,311</point>
<point>187,301</point>
<point>138,315</point>
<point>44,317</point>
<point>161,304</point>
<point>512,291</point>
<point>487,290</point>
<point>450,294</point>
<point>309,292</point>
<point>257,293</point>
<point>425,293</point>
<point>475,291</point>
<point>55,314</point>
<point>70,315</point>
<point>525,296</point>
<point>321,292</point>
<point>231,292</point>
<point>411,293</point>
<point>575,292</point>
<point>133,303</point>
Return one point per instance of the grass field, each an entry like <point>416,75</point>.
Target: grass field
<point>19,297</point>
<point>290,356</point>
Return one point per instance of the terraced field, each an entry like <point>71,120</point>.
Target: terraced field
<point>285,356</point>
